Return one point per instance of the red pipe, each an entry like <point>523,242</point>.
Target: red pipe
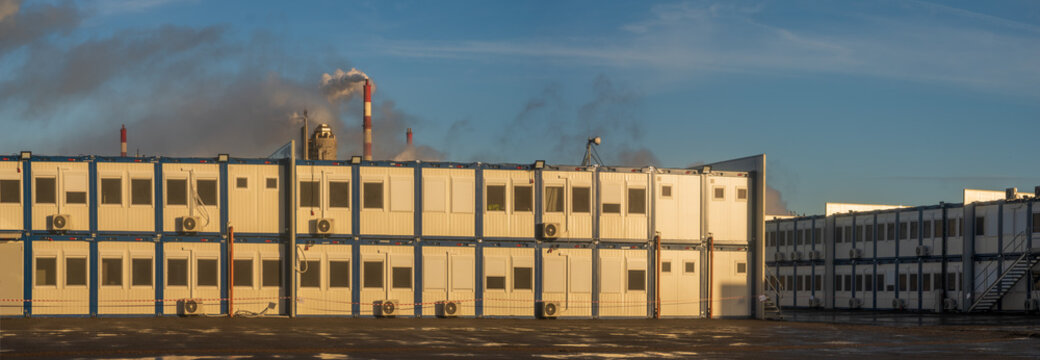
<point>711,272</point>
<point>368,120</point>
<point>231,271</point>
<point>409,136</point>
<point>122,141</point>
<point>657,288</point>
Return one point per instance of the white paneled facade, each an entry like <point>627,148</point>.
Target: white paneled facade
<point>728,208</point>
<point>191,190</point>
<point>257,278</point>
<point>387,200</point>
<point>508,203</point>
<point>126,277</point>
<point>508,281</point>
<point>387,273</point>
<point>192,271</point>
<point>61,188</point>
<point>448,202</point>
<point>624,205</point>
<point>567,198</point>
<point>623,282</point>
<point>11,196</point>
<point>677,207</point>
<point>126,196</point>
<point>256,196</point>
<point>680,283</point>
<point>729,285</point>
<point>449,275</point>
<point>567,279</point>
<point>323,279</point>
<point>323,192</point>
<point>61,278</point>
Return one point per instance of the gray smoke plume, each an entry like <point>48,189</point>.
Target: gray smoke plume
<point>775,204</point>
<point>343,85</point>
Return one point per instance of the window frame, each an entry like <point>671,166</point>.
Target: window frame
<point>103,191</point>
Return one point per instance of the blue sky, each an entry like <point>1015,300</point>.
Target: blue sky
<point>897,102</point>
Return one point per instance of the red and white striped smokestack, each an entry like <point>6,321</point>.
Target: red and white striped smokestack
<point>122,141</point>
<point>409,137</point>
<point>368,120</point>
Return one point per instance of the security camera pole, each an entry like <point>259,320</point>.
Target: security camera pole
<point>590,152</point>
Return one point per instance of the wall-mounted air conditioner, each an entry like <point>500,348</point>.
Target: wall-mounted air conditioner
<point>548,231</point>
<point>855,303</point>
<point>190,307</point>
<point>547,309</point>
<point>923,250</point>
<point>190,224</point>
<point>385,308</point>
<point>324,226</point>
<point>61,222</point>
<point>796,255</point>
<point>778,256</point>
<point>815,255</point>
<point>446,309</point>
<point>855,253</point>
<point>899,304</point>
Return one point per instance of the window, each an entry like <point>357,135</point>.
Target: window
<point>496,198</point>
<point>939,228</point>
<point>309,196</point>
<point>141,272</point>
<point>953,228</point>
<point>242,183</point>
<point>402,277</point>
<point>611,208</point>
<point>10,192</point>
<point>207,272</point>
<point>339,274</point>
<point>177,272</point>
<point>140,191</point>
<point>937,281</point>
<point>869,236</point>
<point>926,226</point>
<point>741,268</point>
<point>951,281</point>
<point>637,280</point>
<point>800,284</point>
<point>859,282</point>
<point>1036,222</point>
<point>902,231</point>
<point>580,200</point>
<point>496,282</point>
<point>837,283</point>
<point>207,191</point>
<point>818,283</point>
<point>868,282</point>
<point>75,271</point>
<point>801,237</point>
<point>272,272</point>
<point>554,199</point>
<point>339,194</point>
<point>112,191</point>
<point>848,283</point>
<point>112,272</point>
<point>720,193</point>
<point>637,201</point>
<point>891,232</point>
<point>45,191</point>
<point>176,192</point>
<point>817,236</point>
<point>927,282</point>
<point>666,191</point>
<point>902,282</point>
<point>848,233</point>
<point>522,198</point>
<point>980,225</point>
<point>690,266</point>
<point>243,273</point>
<point>860,233</point>
<point>312,277</point>
<point>373,272</point>
<point>666,266</point>
<point>880,282</point>
<point>913,282</point>
<point>741,194</point>
<point>272,183</point>
<point>913,230</point>
<point>523,278</point>
<point>373,195</point>
<point>46,271</point>
<point>75,197</point>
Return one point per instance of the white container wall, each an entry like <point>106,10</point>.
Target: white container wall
<point>623,282</point>
<point>821,290</point>
<point>448,275</point>
<point>126,197</point>
<point>508,281</point>
<point>786,276</point>
<point>387,274</point>
<point>12,276</point>
<point>11,191</point>
<point>126,277</point>
<point>984,227</point>
<point>192,271</point>
<point>624,201</point>
<point>680,283</point>
<point>803,289</point>
<point>387,200</point>
<point>730,279</point>
<point>910,284</point>
<point>1014,228</point>
<point>256,198</point>
<point>863,235</point>
<point>932,230</point>
<point>323,192</point>
<point>842,236</point>
<point>61,188</point>
<point>882,281</point>
<point>61,278</point>
<point>909,232</point>
<point>567,198</point>
<point>191,190</point>
<point>865,285</point>
<point>257,278</point>
<point>728,208</point>
<point>448,202</point>
<point>323,279</point>
<point>955,231</point>
<point>843,286</point>
<point>508,203</point>
<point>567,279</point>
<point>678,207</point>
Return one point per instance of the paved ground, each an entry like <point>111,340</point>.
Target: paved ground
<point>813,336</point>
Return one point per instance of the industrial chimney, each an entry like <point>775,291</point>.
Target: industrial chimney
<point>368,120</point>
<point>322,144</point>
<point>409,137</point>
<point>122,141</point>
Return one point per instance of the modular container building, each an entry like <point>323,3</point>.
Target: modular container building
<point>133,236</point>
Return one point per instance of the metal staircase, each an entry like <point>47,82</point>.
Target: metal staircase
<point>997,284</point>
<point>772,300</point>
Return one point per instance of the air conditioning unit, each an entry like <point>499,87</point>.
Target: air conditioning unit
<point>855,253</point>
<point>190,224</point>
<point>899,304</point>
<point>61,222</point>
<point>190,307</point>
<point>816,302</point>
<point>855,303</point>
<point>324,226</point>
<point>778,256</point>
<point>1032,305</point>
<point>547,309</point>
<point>815,255</point>
<point>549,231</point>
<point>385,308</point>
<point>949,304</point>
<point>796,255</point>
<point>446,309</point>
<point>924,250</point>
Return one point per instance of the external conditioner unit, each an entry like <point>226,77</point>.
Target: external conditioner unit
<point>899,304</point>
<point>446,309</point>
<point>949,304</point>
<point>924,250</point>
<point>855,253</point>
<point>324,226</point>
<point>190,224</point>
<point>815,255</point>
<point>855,303</point>
<point>190,307</point>
<point>549,231</point>
<point>61,222</point>
<point>778,256</point>
<point>1032,305</point>
<point>816,302</point>
<point>385,308</point>
<point>547,309</point>
<point>796,255</point>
